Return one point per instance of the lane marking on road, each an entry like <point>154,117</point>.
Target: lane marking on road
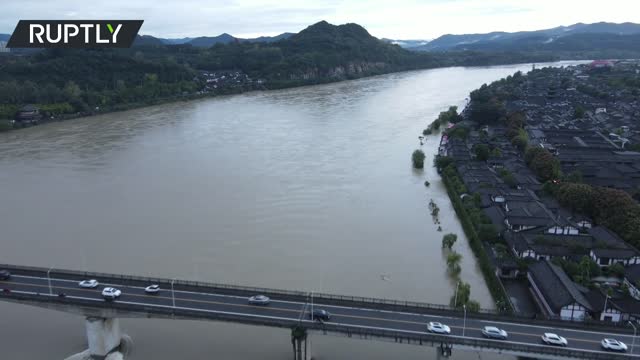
<point>373,318</point>
<point>299,320</point>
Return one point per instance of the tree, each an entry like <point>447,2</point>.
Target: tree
<point>482,152</point>
<point>617,269</point>
<point>418,159</point>
<point>453,262</point>
<point>520,142</point>
<point>545,165</point>
<point>588,269</point>
<point>442,162</point>
<point>448,240</point>
<point>531,152</point>
<point>496,152</point>
<point>473,306</point>
<point>577,197</point>
<point>578,112</point>
<point>487,233</point>
<point>462,296</point>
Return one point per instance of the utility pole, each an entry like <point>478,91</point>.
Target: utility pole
<point>633,342</point>
<point>49,281</point>
<point>173,296</point>
<point>464,323</point>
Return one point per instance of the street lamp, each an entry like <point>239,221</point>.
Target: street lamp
<point>49,281</point>
<point>464,323</point>
<point>633,342</point>
<point>173,296</point>
<point>604,309</point>
<point>312,307</point>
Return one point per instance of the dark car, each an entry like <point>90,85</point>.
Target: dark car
<point>320,314</point>
<point>5,275</point>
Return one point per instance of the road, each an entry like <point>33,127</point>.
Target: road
<point>519,333</point>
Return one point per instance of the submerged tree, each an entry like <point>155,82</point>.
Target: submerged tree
<point>418,159</point>
<point>448,240</point>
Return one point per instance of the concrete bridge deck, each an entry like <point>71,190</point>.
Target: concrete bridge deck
<point>398,321</point>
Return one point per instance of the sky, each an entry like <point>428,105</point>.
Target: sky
<point>394,19</point>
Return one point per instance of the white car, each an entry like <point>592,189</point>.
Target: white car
<point>259,300</point>
<point>554,339</point>
<point>494,333</point>
<point>613,345</point>
<point>152,289</point>
<point>438,328</point>
<point>110,293</point>
<point>89,284</point>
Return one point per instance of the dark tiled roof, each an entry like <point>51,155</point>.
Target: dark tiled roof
<point>632,273</point>
<point>615,253</point>
<point>606,236</point>
<point>496,215</point>
<point>529,220</point>
<point>556,287</point>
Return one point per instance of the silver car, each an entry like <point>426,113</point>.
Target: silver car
<point>89,284</point>
<point>613,345</point>
<point>259,300</point>
<point>554,339</point>
<point>438,328</point>
<point>494,333</point>
<point>152,289</point>
<point>110,293</point>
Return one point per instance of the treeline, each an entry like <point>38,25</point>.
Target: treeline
<point>613,208</point>
<point>66,81</point>
<point>477,227</point>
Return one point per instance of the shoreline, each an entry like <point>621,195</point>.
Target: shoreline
<point>191,97</point>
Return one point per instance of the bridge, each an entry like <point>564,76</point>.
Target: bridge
<point>355,317</point>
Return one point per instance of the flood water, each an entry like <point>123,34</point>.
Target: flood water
<point>304,189</point>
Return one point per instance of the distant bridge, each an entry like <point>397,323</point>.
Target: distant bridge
<point>355,317</point>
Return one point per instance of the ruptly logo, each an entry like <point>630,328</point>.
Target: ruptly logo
<point>77,34</point>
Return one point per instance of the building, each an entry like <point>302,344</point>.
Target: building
<point>28,114</point>
<point>3,47</point>
<point>556,294</point>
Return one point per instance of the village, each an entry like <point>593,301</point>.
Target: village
<point>553,261</point>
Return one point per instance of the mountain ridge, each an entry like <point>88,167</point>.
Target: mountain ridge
<point>496,38</point>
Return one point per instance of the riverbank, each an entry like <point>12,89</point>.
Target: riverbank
<point>7,126</point>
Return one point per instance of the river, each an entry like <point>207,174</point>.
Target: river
<point>308,188</point>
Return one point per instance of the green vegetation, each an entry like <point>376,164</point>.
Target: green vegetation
<point>481,151</point>
<point>453,263</point>
<point>612,208</point>
<point>445,117</point>
<point>449,240</point>
<point>581,272</point>
<point>544,164</point>
<point>578,112</point>
<point>472,220</point>
<point>460,132</point>
<point>463,298</point>
<point>508,178</point>
<point>417,158</point>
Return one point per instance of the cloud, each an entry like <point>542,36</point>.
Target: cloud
<point>400,19</point>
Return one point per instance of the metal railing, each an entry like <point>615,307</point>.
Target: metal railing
<point>318,298</point>
<point>425,339</point>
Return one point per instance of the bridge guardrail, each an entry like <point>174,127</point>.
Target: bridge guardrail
<point>318,298</point>
<point>350,331</point>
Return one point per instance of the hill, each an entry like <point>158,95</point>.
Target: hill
<point>225,38</point>
<point>207,41</point>
<point>502,41</point>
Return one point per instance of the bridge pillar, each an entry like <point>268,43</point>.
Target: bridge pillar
<point>103,335</point>
<point>299,340</point>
